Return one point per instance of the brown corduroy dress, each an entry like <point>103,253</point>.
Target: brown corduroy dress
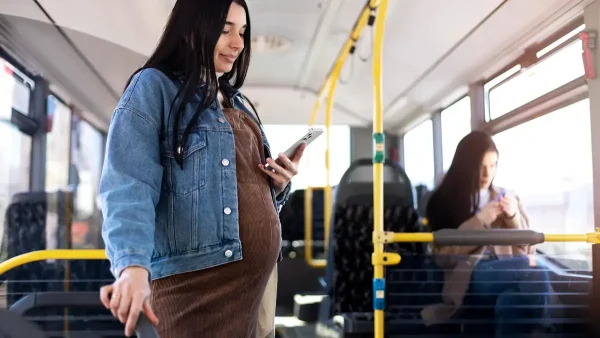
<point>223,301</point>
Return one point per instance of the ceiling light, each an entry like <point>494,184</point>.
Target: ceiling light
<point>270,44</point>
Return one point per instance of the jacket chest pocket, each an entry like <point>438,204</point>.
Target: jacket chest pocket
<point>183,180</point>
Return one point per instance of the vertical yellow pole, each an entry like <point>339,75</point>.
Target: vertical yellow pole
<point>315,112</point>
<point>378,161</point>
<point>328,111</point>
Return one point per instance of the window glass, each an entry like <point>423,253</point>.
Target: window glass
<point>548,162</point>
<point>558,69</point>
<point>58,146</point>
<point>456,124</point>
<point>16,91</point>
<point>15,147</point>
<point>418,155</point>
<point>87,152</point>
<point>311,171</point>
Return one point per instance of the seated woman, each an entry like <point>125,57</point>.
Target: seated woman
<point>498,277</point>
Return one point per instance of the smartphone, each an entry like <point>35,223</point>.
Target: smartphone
<point>500,195</point>
<point>310,136</point>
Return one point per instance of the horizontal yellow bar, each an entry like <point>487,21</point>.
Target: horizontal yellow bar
<point>61,254</point>
<point>413,237</point>
<point>569,238</point>
<point>317,263</point>
<point>593,237</point>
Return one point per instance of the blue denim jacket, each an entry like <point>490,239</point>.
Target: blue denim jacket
<point>160,216</point>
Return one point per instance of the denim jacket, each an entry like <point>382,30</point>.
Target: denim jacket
<point>158,215</point>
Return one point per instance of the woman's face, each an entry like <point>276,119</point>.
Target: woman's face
<point>231,42</point>
<point>488,169</point>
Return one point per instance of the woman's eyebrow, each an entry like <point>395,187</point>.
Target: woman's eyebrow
<point>233,24</point>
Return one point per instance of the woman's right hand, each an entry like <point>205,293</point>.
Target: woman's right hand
<point>128,296</point>
<point>489,213</point>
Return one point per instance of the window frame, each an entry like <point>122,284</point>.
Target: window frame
<point>527,60</point>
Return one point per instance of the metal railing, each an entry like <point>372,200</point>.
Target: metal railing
<point>365,18</point>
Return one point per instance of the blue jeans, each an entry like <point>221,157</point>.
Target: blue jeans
<point>518,293</point>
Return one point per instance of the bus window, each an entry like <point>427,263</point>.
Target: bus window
<point>87,154</point>
<point>57,144</point>
<point>558,69</point>
<point>548,161</point>
<point>418,155</point>
<point>456,123</point>
<point>15,146</point>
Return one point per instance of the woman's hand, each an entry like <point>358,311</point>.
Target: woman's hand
<point>489,213</point>
<point>509,206</point>
<point>128,296</point>
<point>282,175</point>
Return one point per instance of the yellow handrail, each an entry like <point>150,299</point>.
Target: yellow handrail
<point>329,86</point>
<point>308,228</point>
<point>378,161</point>
<point>361,23</point>
<point>41,255</point>
<point>308,214</point>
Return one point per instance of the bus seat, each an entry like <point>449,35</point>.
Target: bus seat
<point>26,229</point>
<point>39,221</point>
<point>292,216</point>
<point>349,269</point>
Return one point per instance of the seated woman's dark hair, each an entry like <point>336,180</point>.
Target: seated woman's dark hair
<point>457,196</point>
<point>187,47</point>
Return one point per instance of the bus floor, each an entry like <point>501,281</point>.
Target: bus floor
<point>292,327</point>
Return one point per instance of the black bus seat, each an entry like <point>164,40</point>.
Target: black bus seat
<point>39,221</point>
<point>356,189</point>
<point>98,325</point>
<point>349,268</point>
<point>26,230</point>
<point>292,216</point>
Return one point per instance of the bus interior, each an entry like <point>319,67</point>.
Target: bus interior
<point>395,84</point>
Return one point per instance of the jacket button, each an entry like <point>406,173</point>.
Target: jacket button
<point>225,162</point>
<point>227,211</point>
<point>221,120</point>
<point>228,253</point>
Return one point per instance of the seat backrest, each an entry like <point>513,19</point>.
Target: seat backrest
<point>356,185</point>
<point>292,216</point>
<point>349,270</point>
<point>39,221</point>
<point>26,229</point>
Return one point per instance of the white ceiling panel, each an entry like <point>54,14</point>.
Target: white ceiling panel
<point>133,24</point>
<point>114,63</point>
<point>22,8</point>
<point>279,105</point>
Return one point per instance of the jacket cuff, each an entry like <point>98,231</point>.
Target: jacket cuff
<point>283,197</point>
<point>129,259</point>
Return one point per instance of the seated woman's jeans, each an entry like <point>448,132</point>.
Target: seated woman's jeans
<point>518,292</point>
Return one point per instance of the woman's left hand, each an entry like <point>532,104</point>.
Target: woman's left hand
<point>282,175</point>
<point>509,206</point>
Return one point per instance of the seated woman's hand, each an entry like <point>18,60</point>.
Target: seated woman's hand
<point>128,296</point>
<point>509,206</point>
<point>489,213</point>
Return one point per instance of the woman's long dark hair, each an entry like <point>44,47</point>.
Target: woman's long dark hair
<point>457,197</point>
<point>187,48</point>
